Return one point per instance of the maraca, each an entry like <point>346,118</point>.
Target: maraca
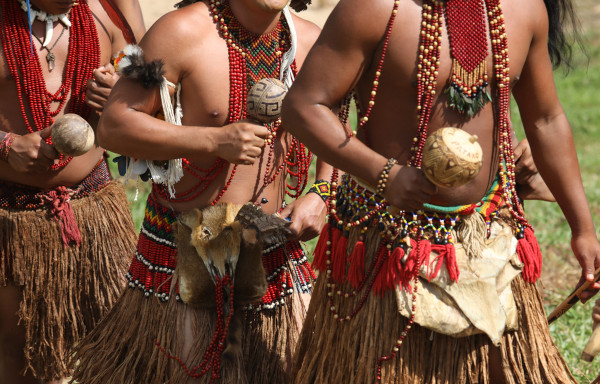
<point>451,157</point>
<point>265,99</point>
<point>72,135</point>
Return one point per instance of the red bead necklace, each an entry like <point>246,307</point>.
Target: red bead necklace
<point>82,58</point>
<point>251,58</point>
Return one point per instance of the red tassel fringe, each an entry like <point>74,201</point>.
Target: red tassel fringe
<point>60,208</point>
<point>381,283</point>
<point>356,275</point>
<point>446,253</point>
<point>338,256</point>
<point>529,253</point>
<point>320,257</point>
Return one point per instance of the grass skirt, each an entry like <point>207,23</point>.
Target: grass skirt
<point>348,352</point>
<point>124,347</point>
<point>66,290</point>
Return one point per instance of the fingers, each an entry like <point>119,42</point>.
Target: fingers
<point>261,131</point>
<point>105,76</point>
<point>45,133</point>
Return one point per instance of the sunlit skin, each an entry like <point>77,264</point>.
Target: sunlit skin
<point>345,57</point>
<point>195,56</point>
<point>30,157</point>
<point>128,126</point>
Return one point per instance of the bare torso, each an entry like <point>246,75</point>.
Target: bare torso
<point>205,102</point>
<point>11,119</point>
<point>397,95</point>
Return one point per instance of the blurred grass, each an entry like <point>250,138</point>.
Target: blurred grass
<point>579,96</point>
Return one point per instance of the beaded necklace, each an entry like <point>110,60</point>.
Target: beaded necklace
<point>252,57</point>
<point>397,228</point>
<point>34,98</point>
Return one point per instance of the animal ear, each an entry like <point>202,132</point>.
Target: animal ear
<point>250,235</point>
<point>191,219</point>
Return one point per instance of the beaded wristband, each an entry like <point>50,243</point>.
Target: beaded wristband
<point>5,145</point>
<point>321,188</point>
<point>383,176</point>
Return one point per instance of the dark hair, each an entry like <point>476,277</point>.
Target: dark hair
<point>183,3</point>
<point>299,5</point>
<point>563,31</point>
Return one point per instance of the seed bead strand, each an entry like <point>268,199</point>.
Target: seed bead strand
<point>502,73</point>
<point>363,120</point>
<point>82,58</point>
<point>427,74</point>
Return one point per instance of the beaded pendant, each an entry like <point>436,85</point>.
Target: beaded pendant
<point>467,23</point>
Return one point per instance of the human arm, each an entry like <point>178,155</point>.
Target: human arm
<point>530,184</point>
<point>100,86</point>
<point>307,213</point>
<point>28,153</point>
<point>133,14</point>
<point>128,125</point>
<point>553,149</point>
<point>346,48</point>
<point>127,26</point>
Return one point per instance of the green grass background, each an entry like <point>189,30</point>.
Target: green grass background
<point>578,92</point>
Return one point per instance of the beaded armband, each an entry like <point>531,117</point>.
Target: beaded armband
<point>383,176</point>
<point>321,188</point>
<point>5,145</point>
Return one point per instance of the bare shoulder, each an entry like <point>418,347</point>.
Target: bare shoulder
<point>531,15</point>
<point>175,34</point>
<point>307,31</point>
<point>358,22</point>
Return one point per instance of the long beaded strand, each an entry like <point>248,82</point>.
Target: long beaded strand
<point>34,98</point>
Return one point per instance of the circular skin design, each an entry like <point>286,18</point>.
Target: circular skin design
<point>451,157</point>
<point>72,135</point>
<point>265,99</point>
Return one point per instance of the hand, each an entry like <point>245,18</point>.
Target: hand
<point>307,214</point>
<point>587,252</point>
<point>31,154</point>
<point>408,188</point>
<point>99,87</point>
<point>530,184</point>
<point>524,166</point>
<point>241,142</point>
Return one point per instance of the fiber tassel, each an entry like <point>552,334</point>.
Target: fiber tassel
<point>403,273</point>
<point>339,256</point>
<point>380,284</point>
<point>451,265</point>
<point>61,210</point>
<point>529,253</point>
<point>410,265</point>
<point>356,274</point>
<point>70,230</point>
<point>446,253</point>
<point>424,253</point>
<point>319,256</point>
<point>395,272</point>
<point>526,255</point>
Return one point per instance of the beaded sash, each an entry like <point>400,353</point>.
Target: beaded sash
<point>18,196</point>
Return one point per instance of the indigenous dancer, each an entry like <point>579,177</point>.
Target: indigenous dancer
<point>181,102</point>
<point>64,225</point>
<point>426,284</point>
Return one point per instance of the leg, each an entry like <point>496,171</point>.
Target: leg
<point>12,339</point>
<point>495,364</point>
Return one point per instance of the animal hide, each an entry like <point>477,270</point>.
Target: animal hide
<point>225,238</point>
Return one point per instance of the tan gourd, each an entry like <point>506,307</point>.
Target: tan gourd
<point>451,157</point>
<point>265,99</point>
<point>72,135</point>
